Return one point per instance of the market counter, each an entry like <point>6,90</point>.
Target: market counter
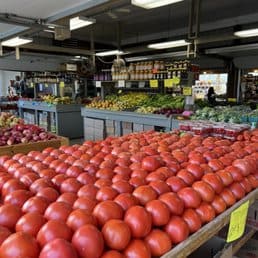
<point>62,119</point>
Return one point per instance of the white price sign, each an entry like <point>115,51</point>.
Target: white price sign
<point>98,84</point>
<point>121,84</point>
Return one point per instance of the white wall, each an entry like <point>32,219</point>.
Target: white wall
<point>5,77</point>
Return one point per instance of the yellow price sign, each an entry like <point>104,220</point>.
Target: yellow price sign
<point>46,85</point>
<point>237,222</point>
<point>232,100</point>
<point>168,83</point>
<point>31,84</point>
<point>187,91</point>
<point>62,84</point>
<point>176,80</point>
<point>154,83</point>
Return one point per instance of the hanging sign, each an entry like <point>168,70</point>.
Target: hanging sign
<point>168,83</point>
<point>154,83</point>
<point>98,84</point>
<point>62,84</point>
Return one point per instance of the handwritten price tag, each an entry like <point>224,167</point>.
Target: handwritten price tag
<point>154,83</point>
<point>62,84</point>
<point>98,84</point>
<point>187,91</point>
<point>168,83</point>
<point>121,84</point>
<point>232,100</point>
<point>176,80</point>
<point>237,222</point>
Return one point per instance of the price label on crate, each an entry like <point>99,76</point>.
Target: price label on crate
<point>121,84</point>
<point>176,80</point>
<point>237,222</point>
<point>168,83</point>
<point>187,91</point>
<point>154,83</point>
<point>232,100</point>
<point>62,84</point>
<point>98,84</point>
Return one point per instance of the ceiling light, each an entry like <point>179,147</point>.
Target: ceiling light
<point>149,4</point>
<point>78,57</point>
<point>80,21</point>
<point>110,53</point>
<point>169,44</point>
<point>246,33</point>
<point>17,41</point>
<point>50,31</point>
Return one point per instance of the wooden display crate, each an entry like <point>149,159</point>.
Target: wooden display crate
<point>36,146</point>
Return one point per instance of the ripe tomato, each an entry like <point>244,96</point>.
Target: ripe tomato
<point>89,191</point>
<point>74,171</point>
<point>112,254</point>
<point>160,187</point>
<point>88,241</point>
<point>206,212</point>
<point>219,204</point>
<point>18,197</point>
<point>186,176</point>
<point>195,170</point>
<point>105,173</point>
<point>35,204</point>
<point>70,185</point>
<point>4,233</point>
<point>237,190</point>
<point>225,177</point>
<point>137,181</point>
<point>141,173</point>
<point>53,229</point>
<point>253,179</point>
<point>126,200</point>
<point>58,248</point>
<point>244,166</point>
<point>246,185</point>
<point>192,219</point>
<point>228,197</point>
<point>107,210</point>
<point>29,178</point>
<point>174,203</point>
<point>68,198</point>
<point>58,211</point>
<point>159,242</point>
<point>235,173</point>
<point>11,186</point>
<point>216,164</point>
<point>103,182</point>
<point>175,183</point>
<point>9,215</point>
<point>30,223</point>
<point>205,191</point>
<point>79,218</point>
<point>19,245</point>
<point>58,180</point>
<point>40,183</point>
<point>190,197</point>
<point>106,193</point>
<point>177,229</point>
<point>117,234</point>
<point>122,186</point>
<point>139,221</point>
<point>151,163</point>
<point>48,193</point>
<point>159,211</point>
<point>137,249</point>
<point>144,194</point>
<point>85,178</point>
<point>214,181</point>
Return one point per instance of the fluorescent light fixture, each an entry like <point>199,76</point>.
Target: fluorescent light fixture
<point>50,31</point>
<point>149,4</point>
<point>169,44</point>
<point>80,21</point>
<point>110,53</point>
<point>17,41</point>
<point>246,33</point>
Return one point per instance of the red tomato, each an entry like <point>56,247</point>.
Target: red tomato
<point>141,173</point>
<point>117,234</point>
<point>196,159</point>
<point>177,229</point>
<point>70,185</point>
<point>18,197</point>
<point>106,193</point>
<point>137,181</point>
<point>58,180</point>
<point>225,177</point>
<point>53,229</point>
<point>47,173</point>
<point>190,197</point>
<point>107,210</point>
<point>68,198</point>
<point>139,221</point>
<point>35,204</point>
<point>216,164</point>
<point>11,186</point>
<point>61,168</point>
<point>122,170</point>
<point>105,173</point>
<point>244,166</point>
<point>235,173</point>
<point>159,211</point>
<point>58,248</point>
<point>19,245</point>
<point>214,181</point>
<point>112,254</point>
<point>79,218</point>
<point>30,223</point>
<point>205,191</point>
<point>237,190</point>
<point>122,186</point>
<point>219,204</point>
<point>29,178</point>
<point>48,193</point>
<point>154,176</point>
<point>159,242</point>
<point>160,187</point>
<point>186,176</point>
<point>89,191</point>
<point>174,203</point>
<point>126,200</point>
<point>39,184</point>
<point>85,179</point>
<point>206,212</point>
<point>103,182</point>
<point>151,163</point>
<point>144,194</point>
<point>253,179</point>
<point>246,185</point>
<point>4,233</point>
<point>58,211</point>
<point>195,170</point>
<point>228,197</point>
<point>74,171</point>
<point>137,249</point>
<point>192,219</point>
<point>9,215</point>
<point>175,183</point>
<point>88,241</point>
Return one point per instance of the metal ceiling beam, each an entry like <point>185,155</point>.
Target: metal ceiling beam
<point>222,50</point>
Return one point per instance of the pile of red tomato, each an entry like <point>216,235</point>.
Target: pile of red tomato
<point>135,196</point>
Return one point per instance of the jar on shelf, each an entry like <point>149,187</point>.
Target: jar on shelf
<point>150,75</point>
<point>126,76</point>
<point>162,66</point>
<point>145,75</point>
<point>141,76</point>
<point>156,65</point>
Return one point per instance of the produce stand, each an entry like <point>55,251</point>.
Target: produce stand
<point>66,119</point>
<point>33,146</point>
<point>188,246</point>
<point>123,122</point>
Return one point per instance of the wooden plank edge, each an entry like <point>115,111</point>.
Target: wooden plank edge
<point>188,246</point>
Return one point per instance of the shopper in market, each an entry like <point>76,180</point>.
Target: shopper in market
<point>211,96</point>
